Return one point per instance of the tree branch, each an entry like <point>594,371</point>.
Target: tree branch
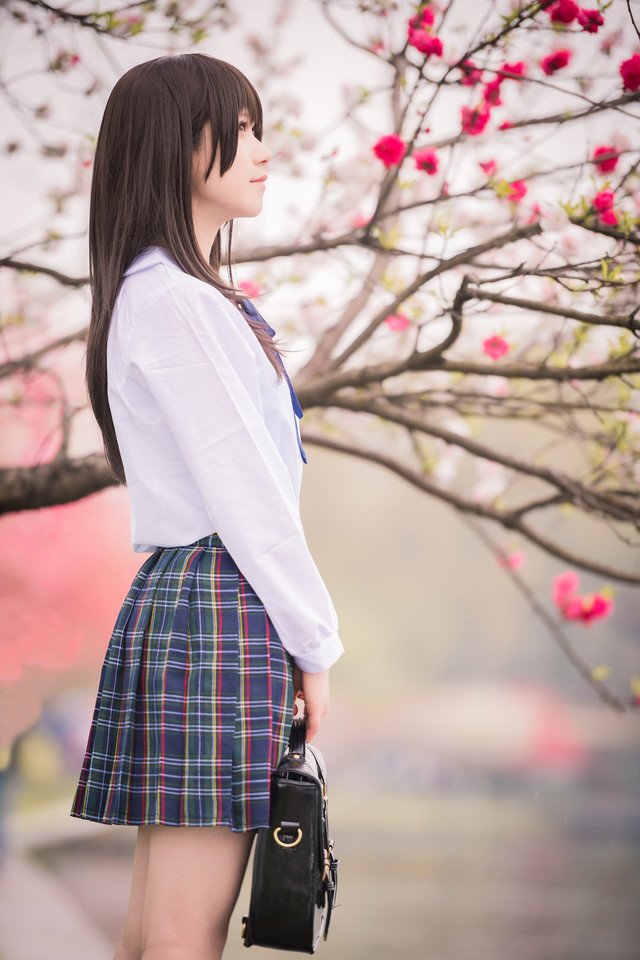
<point>465,506</point>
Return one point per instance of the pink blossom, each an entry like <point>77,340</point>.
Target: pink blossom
<point>475,119</point>
<point>611,40</point>
<point>590,20</point>
<point>512,561</point>
<point>64,61</point>
<point>390,149</point>
<point>555,61</point>
<point>397,321</point>
<point>495,347</point>
<point>359,220</point>
<point>565,585</point>
<point>535,214</point>
<point>489,166</point>
<point>426,43</point>
<point>470,73</point>
<point>611,155</point>
<point>573,606</point>
<point>517,190</point>
<point>427,160</point>
<point>250,288</point>
<point>505,125</point>
<point>563,11</point>
<point>571,609</point>
<point>630,72</point>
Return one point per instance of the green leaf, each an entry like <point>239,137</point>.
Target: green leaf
<point>623,346</point>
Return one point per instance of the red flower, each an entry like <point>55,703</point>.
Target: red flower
<point>495,347</point>
<point>470,73</point>
<point>592,608</point>
<point>563,11</point>
<point>390,149</point>
<point>609,218</point>
<point>425,42</point>
<point>518,69</point>
<point>505,125</point>
<point>611,155</point>
<point>517,190</point>
<point>603,203</point>
<point>423,20</point>
<point>427,160</point>
<point>590,20</point>
<point>555,61</point>
<point>575,606</point>
<point>604,200</point>
<point>491,92</point>
<point>475,119</point>
<point>630,72</point>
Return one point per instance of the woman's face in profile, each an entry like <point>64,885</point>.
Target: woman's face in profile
<point>236,194</point>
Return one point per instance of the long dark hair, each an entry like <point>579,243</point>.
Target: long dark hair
<point>153,122</point>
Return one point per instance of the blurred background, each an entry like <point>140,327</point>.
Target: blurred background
<point>483,800</point>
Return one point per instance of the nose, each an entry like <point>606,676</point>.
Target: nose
<point>265,154</point>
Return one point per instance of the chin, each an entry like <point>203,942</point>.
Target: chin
<point>253,211</point>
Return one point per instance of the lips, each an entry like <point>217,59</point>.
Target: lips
<point>259,179</point>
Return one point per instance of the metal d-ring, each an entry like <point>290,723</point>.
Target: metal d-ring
<point>294,843</point>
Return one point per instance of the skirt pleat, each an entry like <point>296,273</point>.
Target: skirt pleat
<point>194,701</point>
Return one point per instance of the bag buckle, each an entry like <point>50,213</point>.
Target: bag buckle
<point>288,829</point>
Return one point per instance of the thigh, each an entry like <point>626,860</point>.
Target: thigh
<point>194,877</point>
<point>132,934</point>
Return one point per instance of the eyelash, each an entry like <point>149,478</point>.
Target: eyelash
<point>244,123</point>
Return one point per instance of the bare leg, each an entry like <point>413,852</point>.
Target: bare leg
<point>193,881</point>
<point>130,946</point>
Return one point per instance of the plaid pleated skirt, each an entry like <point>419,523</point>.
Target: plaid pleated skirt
<point>195,699</point>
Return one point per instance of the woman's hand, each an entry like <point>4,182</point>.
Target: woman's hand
<point>313,688</point>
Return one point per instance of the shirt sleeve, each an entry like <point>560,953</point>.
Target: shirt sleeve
<point>195,363</point>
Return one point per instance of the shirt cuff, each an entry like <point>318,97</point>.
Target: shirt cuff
<point>322,657</point>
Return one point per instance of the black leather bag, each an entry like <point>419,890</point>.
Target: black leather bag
<point>295,875</point>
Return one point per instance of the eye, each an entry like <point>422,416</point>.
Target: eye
<point>245,123</point>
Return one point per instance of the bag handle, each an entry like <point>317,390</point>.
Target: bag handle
<point>298,737</point>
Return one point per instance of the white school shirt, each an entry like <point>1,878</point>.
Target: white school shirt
<point>209,442</point>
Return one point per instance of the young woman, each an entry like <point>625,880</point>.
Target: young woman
<point>228,619</point>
